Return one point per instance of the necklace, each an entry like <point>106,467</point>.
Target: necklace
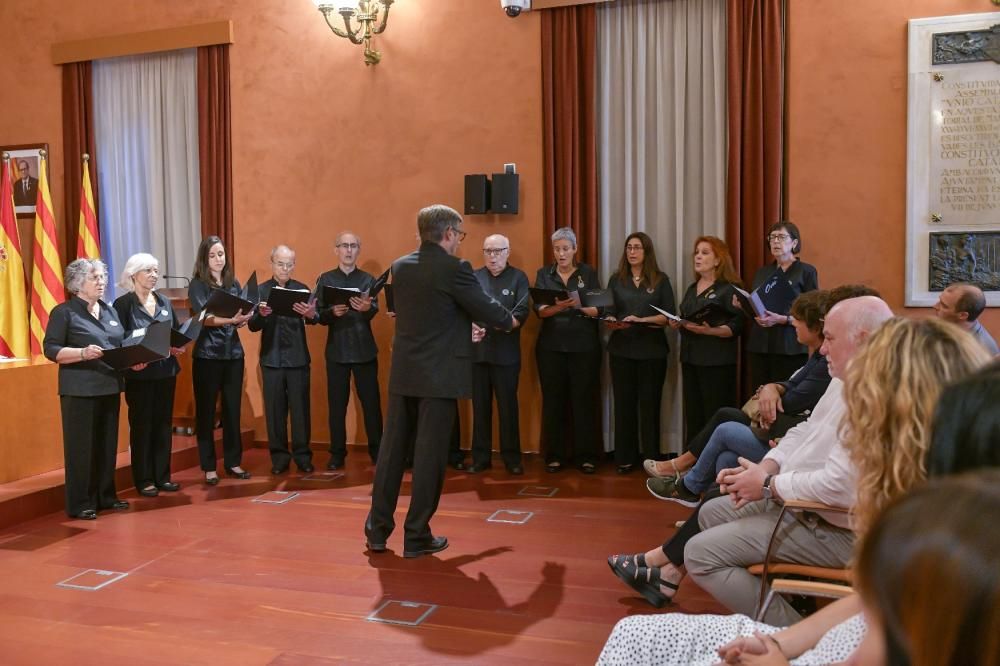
<point>637,279</point>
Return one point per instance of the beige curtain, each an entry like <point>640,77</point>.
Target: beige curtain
<point>661,143</point>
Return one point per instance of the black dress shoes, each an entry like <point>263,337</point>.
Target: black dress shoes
<point>170,487</point>
<point>374,545</point>
<point>279,470</point>
<point>149,491</point>
<point>86,514</point>
<point>307,468</point>
<point>237,475</point>
<point>459,465</point>
<point>515,470</point>
<point>212,480</point>
<point>435,545</point>
<point>119,505</point>
<point>476,468</point>
<point>335,464</point>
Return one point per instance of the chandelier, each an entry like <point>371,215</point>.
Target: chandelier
<point>361,20</point>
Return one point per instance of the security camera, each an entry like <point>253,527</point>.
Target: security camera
<point>513,8</point>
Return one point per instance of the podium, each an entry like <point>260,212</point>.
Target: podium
<point>184,394</point>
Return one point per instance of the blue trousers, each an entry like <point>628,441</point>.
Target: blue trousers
<point>728,443</point>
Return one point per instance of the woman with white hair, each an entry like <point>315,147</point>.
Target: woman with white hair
<point>568,352</point>
<point>77,332</point>
<point>150,391</point>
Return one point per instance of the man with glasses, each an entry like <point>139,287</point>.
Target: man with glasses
<point>436,296</point>
<point>497,361</point>
<point>284,364</point>
<point>350,350</point>
<point>26,187</point>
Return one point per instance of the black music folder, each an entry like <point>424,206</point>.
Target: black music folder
<point>713,314</point>
<point>750,303</point>
<point>380,283</point>
<point>777,293</point>
<point>390,305</point>
<point>144,345</point>
<point>187,333</point>
<point>340,295</point>
<point>281,300</point>
<point>596,298</point>
<point>547,296</point>
<point>223,304</point>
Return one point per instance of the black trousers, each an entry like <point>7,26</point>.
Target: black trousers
<point>706,389</point>
<point>455,453</point>
<point>90,445</point>
<point>286,393</point>
<point>150,424</point>
<point>767,368</point>
<point>638,388</point>
<point>722,415</point>
<point>210,378</point>
<point>500,380</point>
<point>674,546</point>
<point>433,423</point>
<point>338,384</point>
<point>570,383</point>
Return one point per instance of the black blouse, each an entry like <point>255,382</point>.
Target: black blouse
<point>781,339</point>
<point>708,349</point>
<point>349,338</point>
<point>71,325</point>
<point>509,289</point>
<point>568,331</point>
<point>283,344</point>
<point>640,342</point>
<point>132,316</point>
<point>216,343</point>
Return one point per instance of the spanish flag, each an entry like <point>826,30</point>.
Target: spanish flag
<point>47,290</point>
<point>88,243</point>
<point>13,299</point>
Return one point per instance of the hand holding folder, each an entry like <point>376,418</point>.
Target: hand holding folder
<point>145,345</point>
<point>282,302</point>
<point>230,306</point>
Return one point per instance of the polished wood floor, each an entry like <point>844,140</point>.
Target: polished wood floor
<point>214,577</point>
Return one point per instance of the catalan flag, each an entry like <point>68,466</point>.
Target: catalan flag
<point>88,240</point>
<point>13,299</point>
<point>47,290</point>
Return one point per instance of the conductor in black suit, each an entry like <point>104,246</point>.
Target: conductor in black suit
<point>436,298</point>
<point>26,187</point>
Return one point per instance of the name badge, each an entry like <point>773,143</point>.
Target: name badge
<point>164,313</point>
<point>506,292</point>
<point>113,323</point>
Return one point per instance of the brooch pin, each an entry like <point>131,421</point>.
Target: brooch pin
<point>506,292</point>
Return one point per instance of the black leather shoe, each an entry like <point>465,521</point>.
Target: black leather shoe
<point>460,465</point>
<point>515,470</point>
<point>212,481</point>
<point>335,464</point>
<point>170,487</point>
<point>119,505</point>
<point>476,468</point>
<point>307,468</point>
<point>86,514</point>
<point>237,475</point>
<point>150,491</point>
<point>435,545</point>
<point>279,470</point>
<point>374,545</point>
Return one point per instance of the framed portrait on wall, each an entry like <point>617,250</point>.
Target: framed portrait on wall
<point>24,169</point>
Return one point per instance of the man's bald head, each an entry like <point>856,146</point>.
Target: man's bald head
<point>847,325</point>
<point>960,303</point>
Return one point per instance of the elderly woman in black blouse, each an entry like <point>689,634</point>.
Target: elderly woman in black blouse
<point>217,362</point>
<point>774,351</point>
<point>149,392</point>
<point>568,352</point>
<point>637,350</point>
<point>77,332</point>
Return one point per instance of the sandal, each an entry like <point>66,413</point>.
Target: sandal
<point>624,565</point>
<point>652,468</point>
<point>553,467</point>
<point>647,581</point>
<point>624,469</point>
<point>588,468</point>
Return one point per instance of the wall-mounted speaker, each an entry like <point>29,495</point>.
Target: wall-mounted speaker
<point>477,194</point>
<point>505,193</point>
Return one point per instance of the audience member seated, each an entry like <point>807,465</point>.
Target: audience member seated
<point>782,406</point>
<point>668,559</point>
<point>962,303</point>
<point>910,360</point>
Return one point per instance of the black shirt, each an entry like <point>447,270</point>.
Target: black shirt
<point>639,342</point>
<point>217,343</point>
<point>804,388</point>
<point>349,338</point>
<point>781,339</point>
<point>283,344</point>
<point>568,331</point>
<point>132,315</point>
<point>510,289</point>
<point>71,325</point>
<point>708,349</point>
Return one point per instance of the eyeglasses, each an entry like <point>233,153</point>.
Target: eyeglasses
<point>461,234</point>
<point>494,251</point>
<point>781,238</point>
<point>284,265</point>
<point>98,278</point>
<point>633,248</point>
<point>350,246</point>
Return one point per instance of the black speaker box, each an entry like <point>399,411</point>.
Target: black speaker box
<point>505,193</point>
<point>477,194</point>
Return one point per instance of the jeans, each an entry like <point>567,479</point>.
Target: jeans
<point>729,442</point>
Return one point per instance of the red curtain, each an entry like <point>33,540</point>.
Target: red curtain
<point>215,149</point>
<point>755,73</point>
<point>569,78</point>
<point>78,138</point>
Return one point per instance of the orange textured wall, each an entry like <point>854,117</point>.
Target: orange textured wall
<point>847,137</point>
<point>322,143</point>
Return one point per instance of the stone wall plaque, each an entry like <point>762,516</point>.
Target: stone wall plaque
<point>953,149</point>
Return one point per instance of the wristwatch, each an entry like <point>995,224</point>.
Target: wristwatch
<point>788,320</point>
<point>766,490</point>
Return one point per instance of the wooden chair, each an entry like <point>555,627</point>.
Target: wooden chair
<point>819,581</point>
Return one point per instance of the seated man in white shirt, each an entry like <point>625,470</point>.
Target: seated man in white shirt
<point>809,464</point>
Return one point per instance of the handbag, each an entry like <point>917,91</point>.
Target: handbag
<point>752,409</point>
